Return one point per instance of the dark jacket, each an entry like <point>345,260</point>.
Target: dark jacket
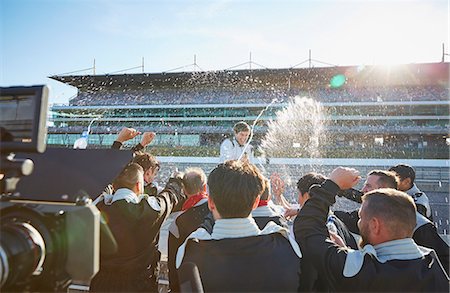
<point>117,145</point>
<point>184,224</point>
<point>310,279</point>
<point>265,214</point>
<point>425,234</point>
<point>265,263</point>
<point>136,227</point>
<point>350,219</point>
<point>343,231</point>
<point>418,274</point>
<point>262,221</point>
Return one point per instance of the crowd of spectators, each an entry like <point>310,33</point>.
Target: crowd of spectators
<point>252,95</point>
<point>179,96</point>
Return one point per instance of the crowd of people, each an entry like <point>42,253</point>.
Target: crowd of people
<point>229,235</point>
<point>163,96</point>
<point>256,94</point>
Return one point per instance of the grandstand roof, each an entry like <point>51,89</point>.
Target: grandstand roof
<point>356,76</point>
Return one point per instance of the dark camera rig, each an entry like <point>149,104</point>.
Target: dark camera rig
<point>44,246</point>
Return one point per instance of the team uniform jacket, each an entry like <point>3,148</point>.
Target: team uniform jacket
<point>135,222</point>
<point>184,224</point>
<point>425,234</point>
<point>399,265</point>
<point>239,257</point>
<point>421,200</point>
<point>310,279</point>
<point>264,215</point>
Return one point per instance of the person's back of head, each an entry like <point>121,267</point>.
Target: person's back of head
<point>149,164</point>
<point>386,179</point>
<point>146,161</point>
<point>305,183</point>
<point>395,208</point>
<point>194,181</point>
<point>406,174</point>
<point>234,187</point>
<point>308,180</point>
<point>129,177</point>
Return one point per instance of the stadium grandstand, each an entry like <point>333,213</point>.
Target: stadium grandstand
<point>400,112</point>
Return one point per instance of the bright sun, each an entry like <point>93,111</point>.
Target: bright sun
<point>389,35</point>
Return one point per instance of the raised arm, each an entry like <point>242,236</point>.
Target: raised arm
<point>310,225</point>
<point>124,135</point>
<point>278,188</point>
<point>129,133</point>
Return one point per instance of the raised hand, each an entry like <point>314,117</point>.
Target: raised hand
<point>127,134</point>
<point>147,138</point>
<point>278,185</point>
<point>290,213</point>
<point>344,177</point>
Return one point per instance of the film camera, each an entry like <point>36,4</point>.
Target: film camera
<point>44,245</point>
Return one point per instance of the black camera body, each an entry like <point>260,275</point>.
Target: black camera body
<point>44,245</point>
<point>48,246</point>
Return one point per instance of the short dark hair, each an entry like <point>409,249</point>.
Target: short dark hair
<point>128,177</point>
<point>193,180</point>
<point>404,171</point>
<point>308,180</point>
<point>394,207</point>
<point>234,187</point>
<point>241,126</point>
<point>146,161</point>
<point>386,179</point>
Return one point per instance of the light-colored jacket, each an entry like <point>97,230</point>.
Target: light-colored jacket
<point>231,150</point>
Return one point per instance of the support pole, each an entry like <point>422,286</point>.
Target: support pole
<point>309,59</point>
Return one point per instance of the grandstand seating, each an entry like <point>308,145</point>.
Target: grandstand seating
<point>166,96</point>
<point>192,112</point>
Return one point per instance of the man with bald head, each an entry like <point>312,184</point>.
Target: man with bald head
<point>191,216</point>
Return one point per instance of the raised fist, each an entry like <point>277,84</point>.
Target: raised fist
<point>344,177</point>
<point>127,134</point>
<point>147,138</point>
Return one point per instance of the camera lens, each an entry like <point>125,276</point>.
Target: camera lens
<point>22,253</point>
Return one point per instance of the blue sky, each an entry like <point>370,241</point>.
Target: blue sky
<point>40,38</point>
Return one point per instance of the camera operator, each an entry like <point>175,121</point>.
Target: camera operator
<point>135,220</point>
